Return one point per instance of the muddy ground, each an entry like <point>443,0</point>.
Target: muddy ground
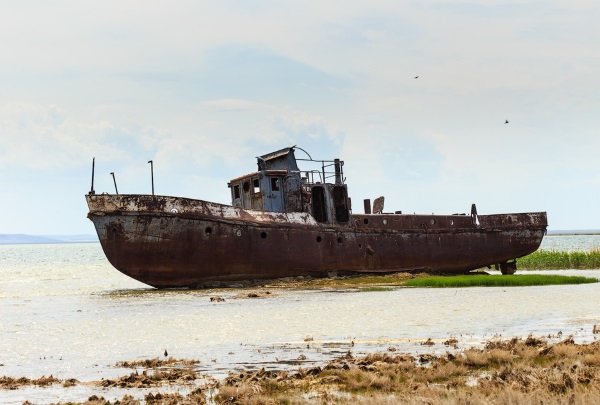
<point>334,281</point>
<point>524,371</point>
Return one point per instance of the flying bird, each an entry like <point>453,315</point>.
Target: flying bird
<point>416,77</point>
<point>506,121</point>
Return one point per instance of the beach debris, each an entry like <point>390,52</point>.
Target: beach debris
<point>428,342</point>
<point>451,342</point>
<point>256,294</point>
<point>70,382</point>
<point>216,298</point>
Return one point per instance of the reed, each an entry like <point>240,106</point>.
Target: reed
<point>558,260</point>
<point>520,280</point>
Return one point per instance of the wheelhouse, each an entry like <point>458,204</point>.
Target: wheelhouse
<point>280,186</point>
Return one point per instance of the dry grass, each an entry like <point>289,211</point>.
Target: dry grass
<point>156,362</point>
<point>483,358</point>
<point>152,378</point>
<point>9,383</point>
<point>592,359</point>
<point>516,371</point>
<point>354,281</point>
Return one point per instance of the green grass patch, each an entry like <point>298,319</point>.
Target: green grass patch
<point>519,280</point>
<point>555,260</point>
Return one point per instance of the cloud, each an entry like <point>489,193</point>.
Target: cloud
<point>38,136</point>
<point>234,131</point>
<point>296,126</point>
<point>202,88</point>
<point>229,104</point>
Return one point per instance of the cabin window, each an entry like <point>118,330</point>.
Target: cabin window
<point>340,204</point>
<point>256,186</point>
<point>246,186</point>
<point>319,208</point>
<point>274,183</point>
<point>236,191</point>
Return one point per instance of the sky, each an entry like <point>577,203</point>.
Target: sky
<point>201,88</point>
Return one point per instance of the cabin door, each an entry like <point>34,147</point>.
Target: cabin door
<point>275,197</point>
<point>256,195</point>
<point>292,192</point>
<point>246,194</point>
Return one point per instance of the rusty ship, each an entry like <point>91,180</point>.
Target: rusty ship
<point>287,222</point>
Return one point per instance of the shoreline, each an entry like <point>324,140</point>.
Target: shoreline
<point>532,369</point>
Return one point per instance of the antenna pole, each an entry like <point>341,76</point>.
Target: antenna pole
<point>115,181</point>
<point>93,167</point>
<point>152,174</point>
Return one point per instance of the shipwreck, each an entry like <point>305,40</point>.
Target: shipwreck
<point>287,222</point>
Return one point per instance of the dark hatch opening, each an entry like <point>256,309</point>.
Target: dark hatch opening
<point>340,203</point>
<point>319,207</point>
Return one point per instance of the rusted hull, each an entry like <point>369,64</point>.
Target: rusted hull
<point>176,242</point>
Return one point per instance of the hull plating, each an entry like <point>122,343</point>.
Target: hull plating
<point>177,242</point>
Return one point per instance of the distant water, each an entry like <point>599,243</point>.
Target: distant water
<point>571,242</point>
<point>65,311</point>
